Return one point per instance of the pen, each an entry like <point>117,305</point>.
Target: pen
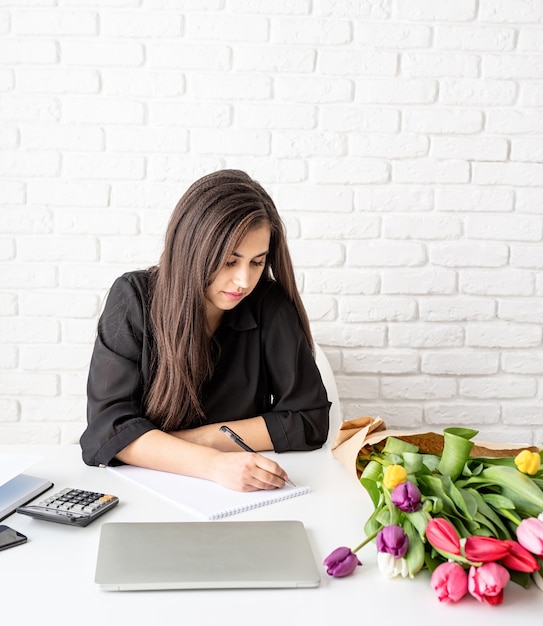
<point>237,439</point>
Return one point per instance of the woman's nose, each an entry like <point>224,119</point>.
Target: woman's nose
<point>241,277</point>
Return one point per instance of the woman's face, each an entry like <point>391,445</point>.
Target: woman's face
<point>240,274</point>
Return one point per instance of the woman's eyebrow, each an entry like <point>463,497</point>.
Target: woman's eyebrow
<point>240,256</point>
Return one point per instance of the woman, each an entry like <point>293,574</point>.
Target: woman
<point>216,333</point>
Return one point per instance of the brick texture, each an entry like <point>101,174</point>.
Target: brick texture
<point>401,139</point>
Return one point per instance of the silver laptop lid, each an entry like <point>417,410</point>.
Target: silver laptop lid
<point>205,555</point>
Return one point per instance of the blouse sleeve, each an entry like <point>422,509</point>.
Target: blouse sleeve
<point>115,415</point>
<point>299,419</point>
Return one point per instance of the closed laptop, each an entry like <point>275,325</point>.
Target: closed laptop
<point>205,555</point>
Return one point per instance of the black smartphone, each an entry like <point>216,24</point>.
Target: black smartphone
<point>10,537</point>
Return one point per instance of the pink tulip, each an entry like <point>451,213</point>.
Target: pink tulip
<point>485,549</point>
<point>450,581</point>
<point>487,582</point>
<point>519,559</point>
<point>530,535</point>
<point>443,536</point>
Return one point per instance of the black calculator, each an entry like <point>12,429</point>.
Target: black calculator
<point>76,507</point>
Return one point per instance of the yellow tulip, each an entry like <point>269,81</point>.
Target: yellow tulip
<point>528,462</point>
<point>394,475</point>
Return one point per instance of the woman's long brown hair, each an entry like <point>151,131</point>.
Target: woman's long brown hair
<point>207,224</point>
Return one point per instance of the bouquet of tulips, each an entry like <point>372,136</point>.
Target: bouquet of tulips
<point>471,515</point>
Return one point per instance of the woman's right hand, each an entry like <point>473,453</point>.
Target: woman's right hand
<point>238,470</point>
<point>247,471</point>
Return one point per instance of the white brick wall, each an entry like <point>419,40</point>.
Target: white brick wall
<point>401,139</point>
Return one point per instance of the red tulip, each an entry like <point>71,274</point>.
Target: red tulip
<point>443,536</point>
<point>485,549</point>
<point>519,558</point>
<point>450,581</point>
<point>486,583</point>
<point>510,553</point>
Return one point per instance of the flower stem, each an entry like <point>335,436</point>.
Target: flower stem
<point>510,516</point>
<point>366,541</point>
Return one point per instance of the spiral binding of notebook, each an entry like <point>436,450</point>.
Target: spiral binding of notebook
<point>277,495</point>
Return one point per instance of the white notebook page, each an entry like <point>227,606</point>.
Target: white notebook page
<point>204,498</point>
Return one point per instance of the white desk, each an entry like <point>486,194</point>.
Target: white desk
<point>51,578</point>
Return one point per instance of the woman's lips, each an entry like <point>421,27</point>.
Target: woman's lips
<point>233,296</point>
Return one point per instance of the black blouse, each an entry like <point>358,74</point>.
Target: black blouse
<point>264,367</point>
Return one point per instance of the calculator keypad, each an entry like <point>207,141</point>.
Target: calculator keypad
<point>76,500</point>
<point>71,506</point>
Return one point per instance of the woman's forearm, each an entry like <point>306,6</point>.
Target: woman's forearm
<point>253,431</point>
<point>162,451</point>
<point>239,470</point>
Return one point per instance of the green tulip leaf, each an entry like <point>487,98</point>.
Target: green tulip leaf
<point>485,528</point>
<point>432,559</point>
<point>520,578</point>
<point>470,503</point>
<point>412,462</point>
<point>373,490</point>
<point>418,520</point>
<point>397,446</point>
<point>498,501</point>
<point>491,517</point>
<point>459,524</point>
<point>431,462</point>
<point>433,486</point>
<point>519,488</point>
<point>456,451</point>
<point>415,551</point>
<point>465,433</point>
<point>502,461</point>
<point>372,524</point>
<point>472,469</point>
<point>383,516</point>
<point>432,504</point>
<point>373,471</point>
<point>462,500</point>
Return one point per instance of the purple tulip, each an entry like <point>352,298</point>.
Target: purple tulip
<point>341,562</point>
<point>393,540</point>
<point>406,496</point>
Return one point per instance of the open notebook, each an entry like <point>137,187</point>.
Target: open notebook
<point>204,498</point>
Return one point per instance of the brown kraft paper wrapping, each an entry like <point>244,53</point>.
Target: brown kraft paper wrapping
<point>355,434</point>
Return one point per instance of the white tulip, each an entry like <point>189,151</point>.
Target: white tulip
<point>391,567</point>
